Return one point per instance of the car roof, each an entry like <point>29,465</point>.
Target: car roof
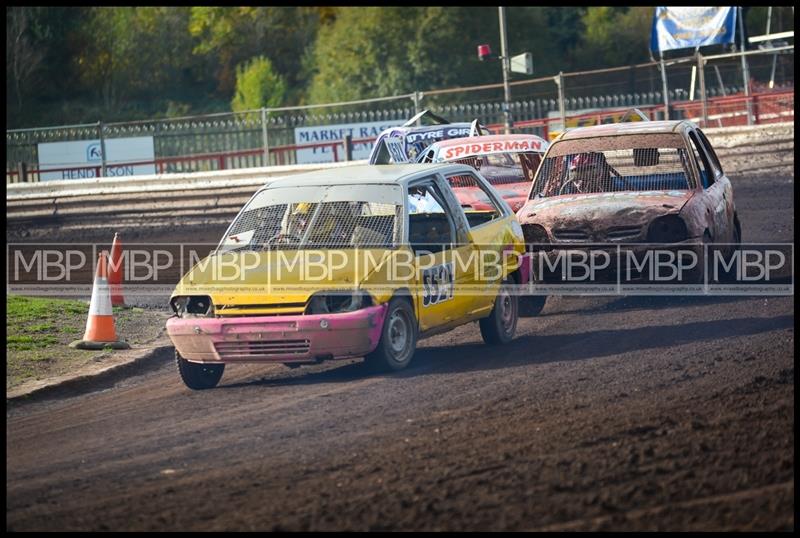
<point>413,128</point>
<point>633,127</point>
<point>485,138</point>
<point>388,174</point>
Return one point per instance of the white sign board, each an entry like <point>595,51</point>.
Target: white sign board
<point>334,133</point>
<point>83,158</point>
<point>522,63</point>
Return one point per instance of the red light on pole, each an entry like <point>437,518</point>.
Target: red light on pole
<point>484,52</point>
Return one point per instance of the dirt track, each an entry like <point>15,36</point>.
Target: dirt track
<point>604,413</point>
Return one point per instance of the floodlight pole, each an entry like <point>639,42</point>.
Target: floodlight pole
<point>506,69</point>
<point>745,73</point>
<point>664,86</point>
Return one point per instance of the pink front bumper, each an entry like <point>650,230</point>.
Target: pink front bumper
<point>298,338</point>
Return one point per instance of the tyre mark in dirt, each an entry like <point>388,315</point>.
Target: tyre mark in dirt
<point>610,413</point>
<point>728,498</point>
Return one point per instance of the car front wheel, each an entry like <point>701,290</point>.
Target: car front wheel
<point>398,338</point>
<point>500,325</point>
<point>198,376</point>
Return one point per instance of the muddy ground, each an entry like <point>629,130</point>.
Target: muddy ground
<point>613,413</point>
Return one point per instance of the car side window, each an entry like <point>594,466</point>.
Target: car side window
<point>430,225</point>
<point>711,154</point>
<point>427,157</point>
<point>479,206</point>
<point>703,165</point>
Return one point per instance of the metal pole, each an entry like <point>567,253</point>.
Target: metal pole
<point>22,172</point>
<point>417,97</point>
<point>102,148</point>
<point>719,81</point>
<point>665,90</point>
<point>745,72</point>
<point>769,18</point>
<point>561,109</point>
<point>265,135</point>
<point>691,84</point>
<point>774,56</point>
<point>504,52</point>
<point>348,147</point>
<point>701,70</point>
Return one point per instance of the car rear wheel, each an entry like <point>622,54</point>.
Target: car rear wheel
<point>500,325</point>
<point>198,376</point>
<point>398,338</point>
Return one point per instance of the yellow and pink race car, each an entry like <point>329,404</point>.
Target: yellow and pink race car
<point>349,262</point>
<point>508,162</point>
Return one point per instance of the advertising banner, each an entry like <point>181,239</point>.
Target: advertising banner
<point>690,27</point>
<point>332,133</point>
<point>83,158</point>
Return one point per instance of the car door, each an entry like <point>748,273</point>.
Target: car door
<point>434,238</point>
<point>725,215</point>
<point>488,230</point>
<point>713,197</point>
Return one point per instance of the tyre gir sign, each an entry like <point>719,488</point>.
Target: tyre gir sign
<point>482,148</point>
<point>82,159</point>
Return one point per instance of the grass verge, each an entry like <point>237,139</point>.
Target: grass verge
<point>39,329</point>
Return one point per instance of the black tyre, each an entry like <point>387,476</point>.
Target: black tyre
<point>531,305</point>
<point>398,338</point>
<point>198,376</point>
<point>500,325</point>
<point>729,275</point>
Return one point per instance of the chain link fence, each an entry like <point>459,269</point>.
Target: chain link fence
<point>711,91</point>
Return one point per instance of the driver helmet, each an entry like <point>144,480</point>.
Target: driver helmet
<point>584,161</point>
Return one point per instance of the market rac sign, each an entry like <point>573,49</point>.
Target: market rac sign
<point>326,134</point>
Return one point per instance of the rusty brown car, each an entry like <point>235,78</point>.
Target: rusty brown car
<point>643,183</point>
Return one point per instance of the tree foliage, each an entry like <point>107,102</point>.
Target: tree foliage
<point>82,64</point>
<point>615,36</point>
<point>257,85</point>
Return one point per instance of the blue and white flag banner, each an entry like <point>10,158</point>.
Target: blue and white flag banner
<point>690,27</point>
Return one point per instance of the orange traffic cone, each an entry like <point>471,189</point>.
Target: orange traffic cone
<point>115,273</point>
<point>100,332</point>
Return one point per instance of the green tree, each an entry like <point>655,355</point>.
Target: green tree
<point>22,56</point>
<point>257,85</point>
<point>615,36</point>
<point>230,36</point>
<point>379,51</point>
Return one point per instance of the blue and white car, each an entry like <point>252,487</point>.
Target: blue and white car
<point>404,143</point>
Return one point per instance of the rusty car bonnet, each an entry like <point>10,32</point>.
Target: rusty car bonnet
<point>614,208</point>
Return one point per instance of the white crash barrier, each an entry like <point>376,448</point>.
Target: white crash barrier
<point>238,177</point>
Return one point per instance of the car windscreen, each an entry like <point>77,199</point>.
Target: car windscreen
<point>505,168</point>
<point>352,216</point>
<point>637,163</point>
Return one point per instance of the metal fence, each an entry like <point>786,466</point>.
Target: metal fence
<point>709,90</point>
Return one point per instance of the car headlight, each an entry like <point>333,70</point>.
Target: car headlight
<point>667,229</point>
<point>193,306</point>
<point>536,238</point>
<point>336,302</point>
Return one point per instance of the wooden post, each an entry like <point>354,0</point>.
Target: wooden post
<point>22,172</point>
<point>348,147</point>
